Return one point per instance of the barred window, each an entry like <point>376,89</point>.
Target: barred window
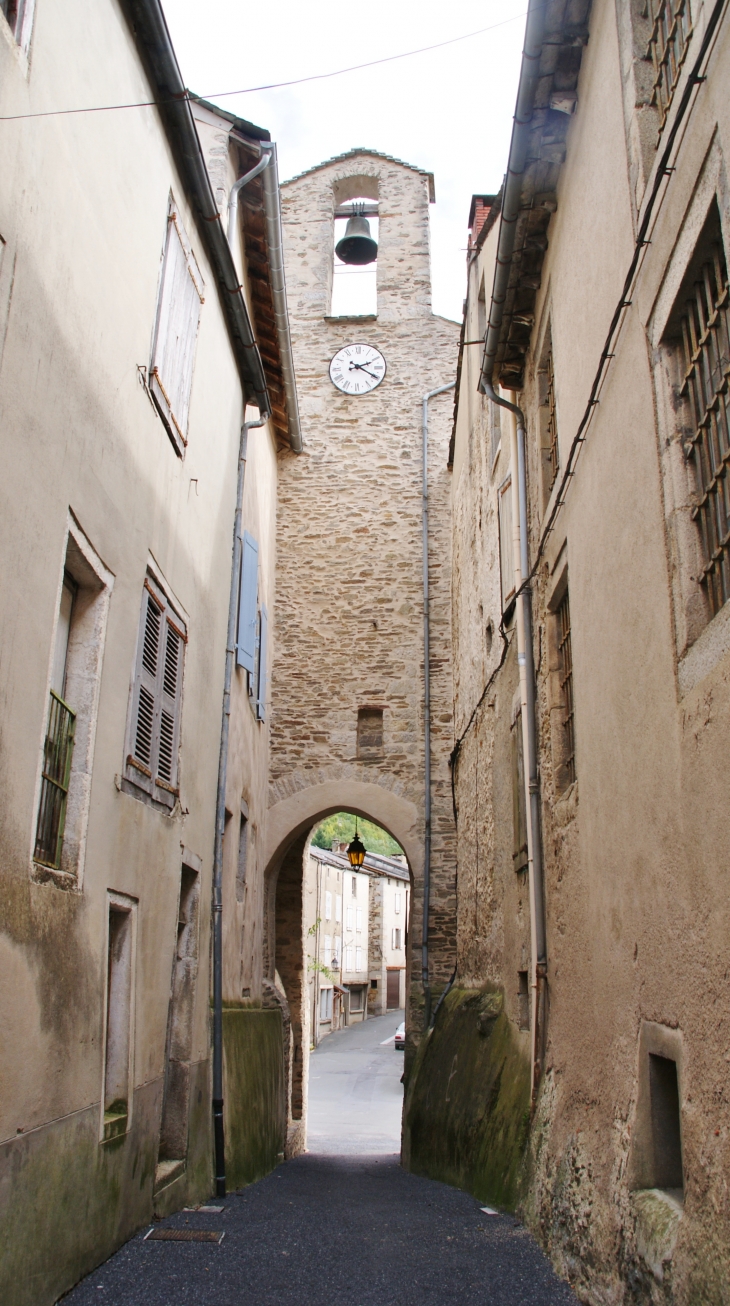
<point>552,422</point>
<point>706,345</point>
<point>670,34</point>
<point>566,686</point>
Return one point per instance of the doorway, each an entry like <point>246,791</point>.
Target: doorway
<point>178,1049</point>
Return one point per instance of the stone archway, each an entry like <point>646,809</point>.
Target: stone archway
<point>289,824</point>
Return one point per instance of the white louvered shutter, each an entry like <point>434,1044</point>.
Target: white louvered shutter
<point>176,332</point>
<point>261,693</point>
<point>247,604</point>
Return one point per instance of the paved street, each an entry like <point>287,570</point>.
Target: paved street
<point>343,1223</point>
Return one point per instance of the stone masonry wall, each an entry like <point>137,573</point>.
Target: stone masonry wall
<point>348,628</point>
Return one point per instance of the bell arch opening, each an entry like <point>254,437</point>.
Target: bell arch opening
<point>354,291</point>
<point>324,972</point>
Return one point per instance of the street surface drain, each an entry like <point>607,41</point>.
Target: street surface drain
<point>184,1236</point>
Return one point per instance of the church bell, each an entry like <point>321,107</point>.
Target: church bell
<point>357,245</point>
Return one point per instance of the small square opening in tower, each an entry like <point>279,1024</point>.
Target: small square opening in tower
<point>369,733</point>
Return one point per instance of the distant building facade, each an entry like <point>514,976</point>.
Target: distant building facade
<point>356,929</point>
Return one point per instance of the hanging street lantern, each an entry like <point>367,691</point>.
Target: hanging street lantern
<point>356,851</point>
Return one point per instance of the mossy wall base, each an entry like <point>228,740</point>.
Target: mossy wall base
<point>254,1111</point>
<point>466,1116</point>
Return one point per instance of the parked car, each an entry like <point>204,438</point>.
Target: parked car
<point>400,1037</point>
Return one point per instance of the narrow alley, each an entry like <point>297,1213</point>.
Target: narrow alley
<point>341,1223</point>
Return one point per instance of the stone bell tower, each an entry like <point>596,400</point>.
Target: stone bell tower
<point>348,666</point>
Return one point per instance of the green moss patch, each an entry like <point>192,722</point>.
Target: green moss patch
<point>255,1124</point>
<point>467,1107</point>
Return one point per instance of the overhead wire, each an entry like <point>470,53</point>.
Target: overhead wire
<point>269,86</point>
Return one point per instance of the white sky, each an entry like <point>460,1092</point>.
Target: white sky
<point>448,111</point>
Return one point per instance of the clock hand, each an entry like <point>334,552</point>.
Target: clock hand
<point>362,368</point>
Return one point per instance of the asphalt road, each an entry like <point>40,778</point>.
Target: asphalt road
<point>338,1225</point>
<point>355,1093</point>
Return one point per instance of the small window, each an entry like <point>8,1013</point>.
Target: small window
<point>665,1123</point>
<point>154,738</point>
<point>369,733</point>
<point>481,310</point>
<point>506,543</point>
<point>519,813</point>
<point>395,942</point>
<point>176,330</point>
<point>523,1000</point>
<point>118,1041</point>
<point>565,652</point>
<point>354,886</point>
<point>242,859</point>
<point>670,34</point>
<point>328,906</point>
<point>325,1004</point>
<point>356,997</point>
<point>18,15</point>
<point>396,902</point>
<point>705,330</point>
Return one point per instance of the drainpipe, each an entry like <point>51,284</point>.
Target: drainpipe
<point>525,662</point>
<point>427,714</point>
<point>266,148</point>
<point>220,820</point>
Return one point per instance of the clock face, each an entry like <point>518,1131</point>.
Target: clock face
<point>357,369</point>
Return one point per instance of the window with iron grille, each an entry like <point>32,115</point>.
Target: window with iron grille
<point>152,752</point>
<point>566,687</point>
<point>706,366</point>
<point>552,423</point>
<point>670,34</point>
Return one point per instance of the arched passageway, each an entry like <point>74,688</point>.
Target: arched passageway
<point>290,823</point>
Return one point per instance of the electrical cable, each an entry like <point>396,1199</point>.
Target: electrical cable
<point>270,86</point>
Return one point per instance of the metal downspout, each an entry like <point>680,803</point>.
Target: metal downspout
<point>427,714</point>
<point>266,148</point>
<point>220,821</point>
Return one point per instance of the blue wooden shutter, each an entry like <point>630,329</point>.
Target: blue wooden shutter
<point>248,596</point>
<point>261,692</point>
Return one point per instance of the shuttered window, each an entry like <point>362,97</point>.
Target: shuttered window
<point>261,692</point>
<point>176,331</point>
<point>506,555</point>
<point>152,754</point>
<point>248,604</point>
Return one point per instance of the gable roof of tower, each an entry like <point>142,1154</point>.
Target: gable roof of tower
<point>353,154</point>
